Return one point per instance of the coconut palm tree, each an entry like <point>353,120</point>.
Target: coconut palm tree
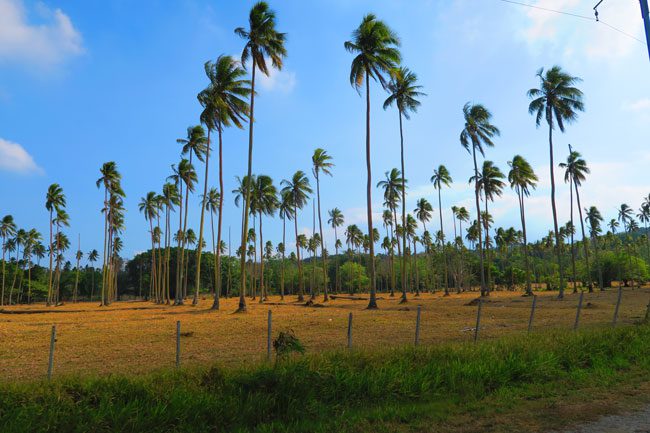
<point>576,171</point>
<point>297,192</point>
<point>61,244</point>
<point>375,47</point>
<point>644,217</point>
<point>404,93</point>
<point>54,201</point>
<point>7,230</point>
<point>557,101</point>
<point>170,198</point>
<point>32,242</point>
<point>264,202</point>
<point>594,218</point>
<point>212,199</point>
<point>149,207</point>
<point>224,104</point>
<point>522,179</point>
<point>110,180</point>
<point>263,42</point>
<point>440,178</point>
<point>336,220</point>
<point>286,213</point>
<point>93,256</point>
<point>78,256</point>
<point>321,163</point>
<point>477,133</point>
<point>491,183</point>
<point>391,186</point>
<point>186,176</point>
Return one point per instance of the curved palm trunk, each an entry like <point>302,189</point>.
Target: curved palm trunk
<point>217,291</point>
<point>573,250</point>
<point>484,291</point>
<point>322,241</point>
<point>522,215</point>
<point>372,304</point>
<point>401,139</point>
<point>242,289</point>
<point>585,241</point>
<point>558,246</point>
<point>199,246</point>
<point>301,288</point>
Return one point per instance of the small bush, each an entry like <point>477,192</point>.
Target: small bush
<point>287,343</point>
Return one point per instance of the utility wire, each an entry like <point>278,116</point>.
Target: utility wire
<point>584,17</point>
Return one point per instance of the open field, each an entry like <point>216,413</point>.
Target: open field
<point>137,337</point>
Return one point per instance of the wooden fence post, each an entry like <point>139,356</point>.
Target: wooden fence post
<point>178,344</point>
<point>268,335</point>
<point>478,320</point>
<point>577,322</point>
<point>350,331</point>
<point>50,365</point>
<point>532,313</point>
<point>417,326</point>
<point>618,304</point>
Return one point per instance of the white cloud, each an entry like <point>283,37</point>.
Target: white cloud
<point>42,44</point>
<point>279,81</point>
<point>13,157</point>
<point>637,106</point>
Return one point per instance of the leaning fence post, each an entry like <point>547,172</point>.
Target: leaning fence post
<point>350,331</point>
<point>618,304</point>
<point>532,313</point>
<point>50,365</point>
<point>268,335</point>
<point>478,319</point>
<point>577,322</point>
<point>417,326</point>
<point>178,344</point>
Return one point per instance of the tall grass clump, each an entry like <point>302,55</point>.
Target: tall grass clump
<point>308,393</point>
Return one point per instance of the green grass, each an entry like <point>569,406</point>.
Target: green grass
<point>404,389</point>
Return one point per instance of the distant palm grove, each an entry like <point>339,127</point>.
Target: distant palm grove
<point>402,254</point>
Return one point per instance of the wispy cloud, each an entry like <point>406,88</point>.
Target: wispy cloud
<point>43,44</point>
<point>14,158</point>
<point>639,105</point>
<point>278,81</point>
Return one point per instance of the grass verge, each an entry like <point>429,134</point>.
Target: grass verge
<point>423,389</point>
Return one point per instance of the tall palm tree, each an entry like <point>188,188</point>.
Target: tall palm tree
<point>644,217</point>
<point>336,220</point>
<point>212,200</point>
<point>186,176</point>
<point>32,243</point>
<point>440,178</point>
<point>297,191</point>
<point>61,244</point>
<point>491,183</point>
<point>263,42</point>
<point>594,218</point>
<point>264,202</point>
<point>286,213</point>
<point>93,256</point>
<point>576,171</point>
<point>170,199</point>
<point>376,55</point>
<point>478,132</point>
<point>522,179</point>
<point>54,201</point>
<point>321,163</point>
<point>387,218</point>
<point>423,211</point>
<point>391,186</point>
<point>403,92</point>
<point>557,101</point>
<point>224,104</point>
<point>78,256</point>
<point>149,207</point>
<point>110,180</point>
<point>7,230</point>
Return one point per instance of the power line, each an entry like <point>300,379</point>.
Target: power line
<point>584,17</point>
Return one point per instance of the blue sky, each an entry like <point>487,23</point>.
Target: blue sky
<point>82,83</point>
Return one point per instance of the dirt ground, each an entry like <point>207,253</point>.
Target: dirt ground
<point>135,337</point>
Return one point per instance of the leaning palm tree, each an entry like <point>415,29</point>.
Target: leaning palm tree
<point>440,178</point>
<point>7,230</point>
<point>376,55</point>
<point>321,163</point>
<point>557,101</point>
<point>54,202</point>
<point>403,92</point>
<point>224,105</point>
<point>478,132</point>
<point>522,179</point>
<point>336,220</point>
<point>263,42</point>
<point>297,191</point>
<point>576,171</point>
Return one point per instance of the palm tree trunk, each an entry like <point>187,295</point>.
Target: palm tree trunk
<point>4,250</point>
<point>401,139</point>
<point>178,293</point>
<point>322,241</point>
<point>284,246</point>
<point>372,304</point>
<point>522,214</point>
<point>199,246</point>
<point>217,292</point>
<point>558,245</point>
<point>488,257</point>
<point>242,291</point>
<point>49,286</point>
<point>104,261</point>
<point>484,291</point>
<point>442,244</point>
<point>301,288</point>
<point>262,290</point>
<point>573,250</point>
<point>585,241</point>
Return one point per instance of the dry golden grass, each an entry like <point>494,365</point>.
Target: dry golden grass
<point>136,337</point>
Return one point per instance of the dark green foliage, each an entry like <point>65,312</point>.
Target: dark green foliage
<point>287,343</point>
<point>321,392</point>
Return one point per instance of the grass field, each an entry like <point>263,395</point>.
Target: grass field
<point>137,337</point>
